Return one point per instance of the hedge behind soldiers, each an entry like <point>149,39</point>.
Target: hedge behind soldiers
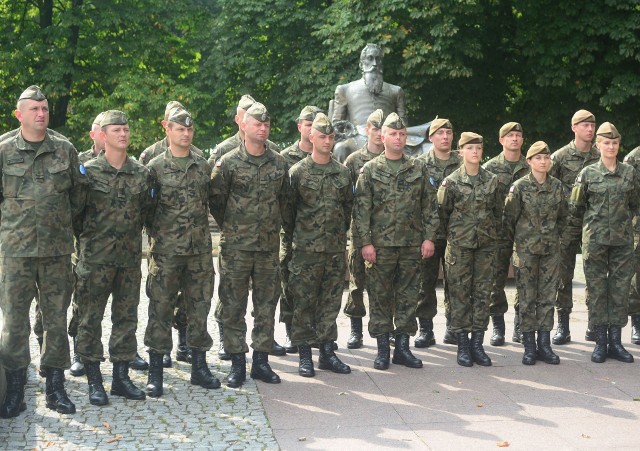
<point>633,159</point>
<point>568,161</point>
<point>179,253</point>
<point>40,196</point>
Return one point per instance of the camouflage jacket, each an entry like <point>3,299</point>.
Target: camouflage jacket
<point>116,204</point>
<point>535,215</point>
<point>179,223</point>
<point>293,154</point>
<point>357,160</point>
<point>14,132</point>
<point>322,198</point>
<point>470,212</point>
<point>159,148</point>
<point>568,162</point>
<point>87,155</point>
<point>230,144</point>
<point>250,201</point>
<point>604,203</point>
<point>394,209</point>
<point>41,194</point>
<point>633,159</point>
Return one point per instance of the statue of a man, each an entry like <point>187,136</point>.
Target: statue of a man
<point>355,101</point>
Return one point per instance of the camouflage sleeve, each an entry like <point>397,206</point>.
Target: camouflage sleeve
<point>445,202</point>
<point>286,206</point>
<point>219,192</point>
<point>153,198</point>
<point>634,199</point>
<point>563,218</point>
<point>362,210</point>
<point>77,192</point>
<point>430,217</point>
<point>498,204</point>
<point>81,199</point>
<point>149,201</point>
<point>348,196</point>
<point>511,212</point>
<point>294,191</point>
<point>577,207</point>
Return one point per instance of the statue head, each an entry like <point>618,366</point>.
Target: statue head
<point>371,67</point>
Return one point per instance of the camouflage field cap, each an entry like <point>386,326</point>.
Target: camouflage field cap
<point>322,124</point>
<point>469,138</point>
<point>439,123</point>
<point>245,102</point>
<point>508,128</point>
<point>113,117</point>
<point>394,121</point>
<point>582,116</point>
<point>376,118</point>
<point>181,116</point>
<point>33,92</point>
<point>170,106</point>
<point>98,119</point>
<point>259,112</point>
<point>608,130</point>
<point>537,148</point>
<point>308,113</point>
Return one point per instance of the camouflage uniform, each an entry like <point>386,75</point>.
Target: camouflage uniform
<point>395,212</point>
<point>110,241</point>
<point>250,202</point>
<point>179,251</point>
<point>633,159</point>
<point>605,202</point>
<point>534,218</point>
<point>40,195</point>
<point>322,198</point>
<point>471,212</point>
<point>567,163</point>
<point>232,143</point>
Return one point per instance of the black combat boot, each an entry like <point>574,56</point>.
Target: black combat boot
<point>616,350</point>
<point>57,398</point>
<point>97,394</point>
<point>477,350</point>
<point>42,371</point>
<point>599,354</point>
<point>381,361</point>
<point>517,333</point>
<point>305,367</point>
<point>563,334</point>
<point>183,353</point>
<point>121,384</point>
<point>138,363</point>
<point>154,381</point>
<point>590,335</point>
<point>277,350</point>
<point>449,337</point>
<point>402,353</point>
<point>529,342</point>
<point>328,359</point>
<point>355,339</point>
<point>545,353</point>
<point>261,370</point>
<point>200,373</point>
<point>497,339</point>
<point>464,349</point>
<point>77,367</point>
<point>238,373</point>
<point>14,398</point>
<point>635,329</point>
<point>288,347</point>
<point>222,354</point>
<point>425,338</point>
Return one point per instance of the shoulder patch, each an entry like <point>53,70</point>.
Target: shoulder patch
<point>432,181</point>
<point>444,183</point>
<point>82,169</point>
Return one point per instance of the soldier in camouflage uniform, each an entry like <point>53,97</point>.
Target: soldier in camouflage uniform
<point>395,222</point>
<point>440,161</point>
<point>250,202</point>
<point>355,308</point>
<point>179,253</point>
<point>469,201</point>
<point>40,195</point>
<point>604,200</point>
<point>534,217</point>
<point>116,203</point>
<point>508,166</point>
<point>322,199</point>
<point>567,162</point>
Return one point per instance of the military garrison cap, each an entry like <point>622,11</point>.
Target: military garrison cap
<point>510,127</point>
<point>170,106</point>
<point>322,124</point>
<point>33,92</point>
<point>245,102</point>
<point>469,138</point>
<point>308,113</point>
<point>582,116</point>
<point>608,130</point>
<point>376,118</point>
<point>98,119</point>
<point>259,112</point>
<point>537,148</point>
<point>394,121</point>
<point>181,116</point>
<point>439,123</point>
<point>113,117</point>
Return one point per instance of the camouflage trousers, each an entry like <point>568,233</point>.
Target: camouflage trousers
<point>316,284</point>
<point>498,304</point>
<point>24,278</point>
<point>428,303</point>
<point>608,271</point>
<point>564,296</point>
<point>470,276</point>
<point>73,322</point>
<point>94,284</point>
<point>537,283</point>
<point>393,284</point>
<point>634,292</point>
<point>286,298</point>
<point>168,274</point>
<point>179,313</point>
<point>354,308</point>
<point>237,267</point>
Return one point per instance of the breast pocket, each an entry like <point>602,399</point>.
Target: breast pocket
<point>60,176</point>
<point>309,190</point>
<point>383,190</point>
<point>171,189</point>
<point>12,181</point>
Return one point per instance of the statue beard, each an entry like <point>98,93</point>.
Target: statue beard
<point>373,81</point>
